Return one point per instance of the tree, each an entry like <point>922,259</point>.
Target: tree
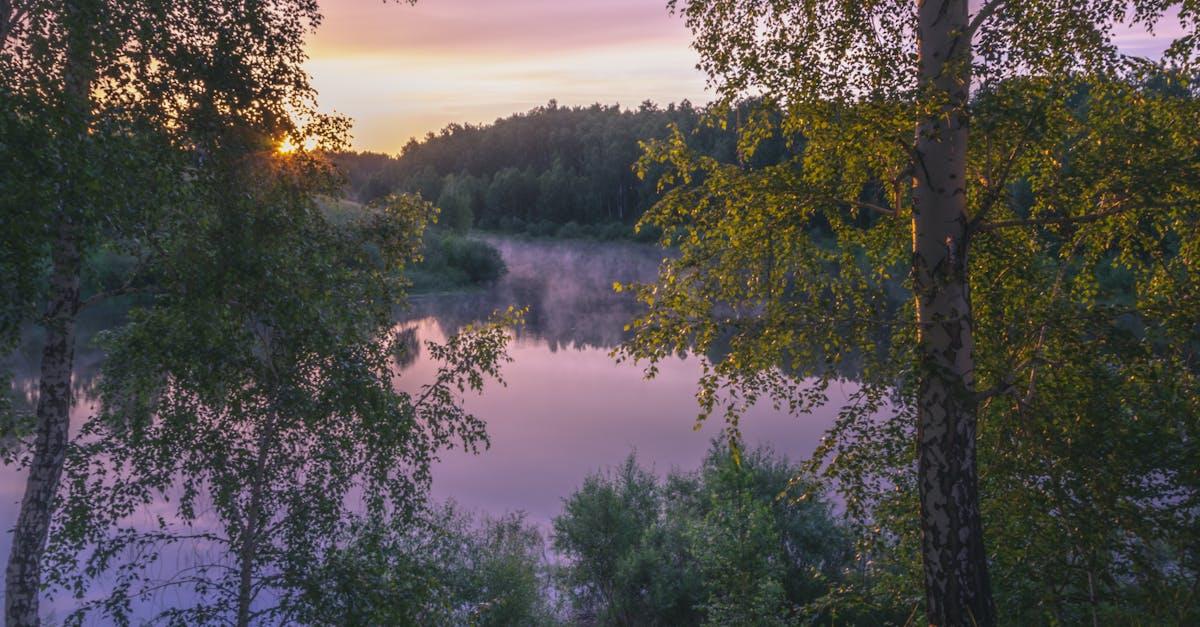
<point>267,416</point>
<point>444,567</point>
<point>552,163</point>
<point>116,116</point>
<point>456,202</point>
<point>792,274</point>
<point>602,526</point>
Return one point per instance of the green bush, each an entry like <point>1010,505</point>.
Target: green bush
<point>613,231</point>
<point>718,546</point>
<point>571,230</point>
<point>478,260</point>
<point>439,568</point>
<point>541,228</point>
<point>511,224</point>
<point>454,261</point>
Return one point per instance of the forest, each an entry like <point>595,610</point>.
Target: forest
<point>536,172</point>
<point>902,327</point>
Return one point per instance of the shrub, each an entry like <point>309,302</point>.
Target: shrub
<point>541,228</point>
<point>478,260</point>
<point>570,230</point>
<point>452,261</point>
<point>442,567</point>
<point>717,546</point>
<point>613,231</point>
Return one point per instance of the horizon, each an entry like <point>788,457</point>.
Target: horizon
<point>400,71</point>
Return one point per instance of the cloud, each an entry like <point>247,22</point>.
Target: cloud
<point>393,98</point>
<point>402,71</point>
<point>515,28</point>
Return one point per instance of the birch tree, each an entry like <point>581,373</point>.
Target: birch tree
<point>121,121</point>
<point>950,164</point>
<point>253,435</point>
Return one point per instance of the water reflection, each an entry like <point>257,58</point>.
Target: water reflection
<point>567,286</point>
<point>567,409</point>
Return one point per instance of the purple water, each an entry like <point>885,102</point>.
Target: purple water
<point>568,408</point>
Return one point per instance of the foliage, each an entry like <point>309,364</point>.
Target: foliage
<point>550,166</point>
<point>1082,222</point>
<point>457,201</point>
<point>439,568</point>
<point>719,546</point>
<point>253,403</point>
<point>449,260</point>
<point>125,125</point>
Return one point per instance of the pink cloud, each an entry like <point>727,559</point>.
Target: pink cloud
<point>402,70</point>
<point>482,27</point>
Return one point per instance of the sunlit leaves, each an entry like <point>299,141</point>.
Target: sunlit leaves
<point>1082,195</point>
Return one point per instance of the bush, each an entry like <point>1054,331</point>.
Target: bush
<point>510,224</point>
<point>570,230</point>
<point>613,231</point>
<point>478,260</point>
<point>716,546</point>
<point>441,568</point>
<point>541,228</point>
<point>453,261</point>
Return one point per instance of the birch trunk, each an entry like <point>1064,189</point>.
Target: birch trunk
<point>957,590</point>
<point>23,576</point>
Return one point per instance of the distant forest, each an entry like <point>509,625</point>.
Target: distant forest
<point>554,170</point>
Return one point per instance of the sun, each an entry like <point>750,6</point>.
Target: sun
<point>288,146</point>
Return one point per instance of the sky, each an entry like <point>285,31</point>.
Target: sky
<point>400,71</point>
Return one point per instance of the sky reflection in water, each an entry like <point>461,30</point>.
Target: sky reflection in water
<point>568,408</point>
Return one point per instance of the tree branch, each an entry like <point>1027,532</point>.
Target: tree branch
<point>997,187</point>
<point>127,287</point>
<point>984,13</point>
<point>1117,209</point>
<point>124,290</point>
<point>863,205</point>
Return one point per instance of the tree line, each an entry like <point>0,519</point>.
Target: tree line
<point>534,172</point>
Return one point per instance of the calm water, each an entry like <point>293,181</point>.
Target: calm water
<point>568,409</point>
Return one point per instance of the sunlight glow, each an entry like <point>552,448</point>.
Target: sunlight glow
<point>288,146</point>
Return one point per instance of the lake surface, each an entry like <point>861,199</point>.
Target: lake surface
<point>568,408</point>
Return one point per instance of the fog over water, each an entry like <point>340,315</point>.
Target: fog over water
<point>568,408</point>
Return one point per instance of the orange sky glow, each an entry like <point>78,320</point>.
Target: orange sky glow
<point>400,71</point>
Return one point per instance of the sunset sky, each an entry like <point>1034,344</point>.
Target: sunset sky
<point>400,71</point>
